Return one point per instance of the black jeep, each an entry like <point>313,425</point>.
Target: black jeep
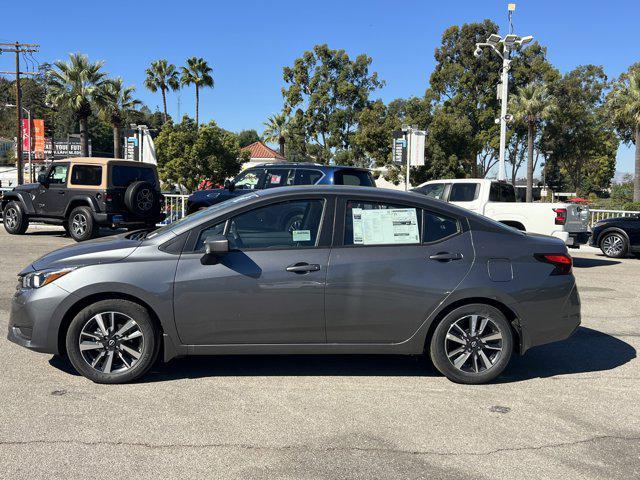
<point>83,194</point>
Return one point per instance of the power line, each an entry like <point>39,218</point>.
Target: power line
<point>19,48</point>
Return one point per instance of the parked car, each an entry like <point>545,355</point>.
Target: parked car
<point>279,175</point>
<point>617,237</point>
<point>366,271</point>
<point>566,221</point>
<point>83,194</point>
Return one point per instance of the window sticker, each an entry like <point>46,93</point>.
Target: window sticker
<point>302,235</point>
<point>385,226</point>
<point>275,179</point>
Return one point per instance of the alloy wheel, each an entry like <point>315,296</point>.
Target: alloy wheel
<point>144,199</point>
<point>79,224</point>
<point>473,343</point>
<point>111,342</point>
<point>11,217</point>
<point>613,245</point>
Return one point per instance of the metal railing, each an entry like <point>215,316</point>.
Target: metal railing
<point>175,206</point>
<point>596,215</point>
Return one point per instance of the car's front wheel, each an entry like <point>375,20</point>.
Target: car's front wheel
<point>614,245</point>
<point>15,219</point>
<point>112,341</point>
<point>472,344</point>
<point>81,225</point>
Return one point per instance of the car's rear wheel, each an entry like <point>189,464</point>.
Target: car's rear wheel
<point>81,224</point>
<point>614,245</point>
<point>15,219</point>
<point>472,344</point>
<point>112,341</point>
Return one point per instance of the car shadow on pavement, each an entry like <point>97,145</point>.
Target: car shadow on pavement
<point>572,356</point>
<point>586,351</point>
<point>582,262</point>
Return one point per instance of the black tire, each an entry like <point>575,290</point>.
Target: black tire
<point>81,224</point>
<point>473,370</point>
<point>614,245</point>
<point>146,345</point>
<point>141,199</point>
<point>15,219</point>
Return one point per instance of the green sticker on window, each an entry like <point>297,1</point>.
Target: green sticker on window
<point>302,235</point>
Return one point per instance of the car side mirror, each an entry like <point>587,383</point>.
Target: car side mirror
<point>213,248</point>
<point>229,185</point>
<point>42,179</point>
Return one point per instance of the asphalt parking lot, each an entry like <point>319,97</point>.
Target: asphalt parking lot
<point>566,410</point>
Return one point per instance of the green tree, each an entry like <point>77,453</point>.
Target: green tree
<point>162,76</point>
<point>276,130</point>
<point>247,137</point>
<point>197,72</point>
<point>580,133</point>
<point>73,84</point>
<point>115,101</point>
<point>624,108</point>
<point>531,105</point>
<point>187,155</point>
<point>325,93</point>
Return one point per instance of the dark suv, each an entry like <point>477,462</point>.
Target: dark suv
<point>280,175</point>
<point>83,194</point>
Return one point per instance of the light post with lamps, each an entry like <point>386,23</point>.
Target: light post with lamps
<point>506,44</point>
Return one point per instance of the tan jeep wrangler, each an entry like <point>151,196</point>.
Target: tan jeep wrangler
<point>83,194</point>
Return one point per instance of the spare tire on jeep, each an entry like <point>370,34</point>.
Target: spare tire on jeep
<point>141,198</point>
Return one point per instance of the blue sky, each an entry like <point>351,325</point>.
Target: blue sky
<point>248,43</point>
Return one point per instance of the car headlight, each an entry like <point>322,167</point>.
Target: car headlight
<point>43,277</point>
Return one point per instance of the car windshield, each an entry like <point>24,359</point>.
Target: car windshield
<point>195,217</point>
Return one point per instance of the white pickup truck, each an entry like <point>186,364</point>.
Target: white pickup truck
<point>497,200</point>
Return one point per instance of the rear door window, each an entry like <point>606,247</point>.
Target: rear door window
<point>306,176</point>
<point>90,175</point>
<point>279,177</point>
<point>502,192</point>
<point>358,178</point>
<point>125,175</point>
<point>435,190</point>
<point>463,192</point>
<point>376,223</point>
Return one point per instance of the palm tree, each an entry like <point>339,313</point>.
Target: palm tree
<point>114,101</point>
<point>276,130</point>
<point>162,76</point>
<point>531,105</point>
<point>73,84</point>
<point>198,73</point>
<point>624,105</point>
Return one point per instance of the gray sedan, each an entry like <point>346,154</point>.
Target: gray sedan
<point>313,270</point>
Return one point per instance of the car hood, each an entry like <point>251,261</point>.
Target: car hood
<point>27,187</point>
<point>103,250</point>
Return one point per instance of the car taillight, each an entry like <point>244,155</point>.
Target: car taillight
<point>561,261</point>
<point>561,216</point>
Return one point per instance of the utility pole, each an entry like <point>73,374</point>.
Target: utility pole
<point>19,48</point>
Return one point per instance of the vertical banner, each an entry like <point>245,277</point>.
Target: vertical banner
<point>38,135</point>
<point>26,128</point>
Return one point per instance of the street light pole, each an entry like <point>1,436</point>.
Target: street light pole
<point>503,111</point>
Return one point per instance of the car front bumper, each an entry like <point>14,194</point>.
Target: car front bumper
<point>34,317</point>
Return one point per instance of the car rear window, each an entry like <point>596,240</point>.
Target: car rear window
<point>358,178</point>
<point>125,175</point>
<point>463,192</point>
<point>90,175</point>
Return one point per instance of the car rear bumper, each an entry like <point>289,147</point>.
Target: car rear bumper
<point>554,323</point>
<point>126,220</point>
<point>572,239</point>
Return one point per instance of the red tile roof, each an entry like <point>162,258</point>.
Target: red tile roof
<point>260,150</point>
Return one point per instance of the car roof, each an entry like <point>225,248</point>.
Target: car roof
<point>346,190</point>
<point>309,165</point>
<point>102,161</point>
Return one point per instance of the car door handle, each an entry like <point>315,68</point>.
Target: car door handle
<point>303,267</point>
<point>60,192</point>
<point>445,256</point>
